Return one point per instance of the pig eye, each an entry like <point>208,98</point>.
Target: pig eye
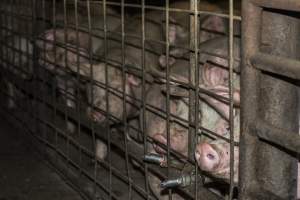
<point>210,156</point>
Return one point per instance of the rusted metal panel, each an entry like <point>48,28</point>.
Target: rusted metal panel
<point>273,64</point>
<point>276,135</point>
<point>267,171</point>
<point>291,5</point>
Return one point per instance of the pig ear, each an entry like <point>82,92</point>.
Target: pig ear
<point>133,80</point>
<point>176,32</point>
<point>214,23</point>
<point>163,61</point>
<point>49,37</point>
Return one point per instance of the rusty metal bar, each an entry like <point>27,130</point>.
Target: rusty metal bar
<point>249,85</point>
<point>290,5</point>
<point>269,98</point>
<point>277,65</point>
<point>231,88</point>
<point>276,135</point>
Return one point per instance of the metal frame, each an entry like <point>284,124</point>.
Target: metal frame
<point>268,169</point>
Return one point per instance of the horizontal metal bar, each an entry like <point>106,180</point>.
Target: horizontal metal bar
<point>278,136</point>
<point>162,8</point>
<point>277,64</point>
<point>292,5</point>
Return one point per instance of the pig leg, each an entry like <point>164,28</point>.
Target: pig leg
<point>71,127</point>
<point>67,89</point>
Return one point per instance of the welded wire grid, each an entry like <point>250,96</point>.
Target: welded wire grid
<point>57,100</point>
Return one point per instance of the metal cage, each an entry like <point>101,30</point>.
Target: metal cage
<point>141,100</point>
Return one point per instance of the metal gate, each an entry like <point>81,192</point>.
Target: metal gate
<point>140,100</point>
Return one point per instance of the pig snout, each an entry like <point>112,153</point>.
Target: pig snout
<point>95,115</point>
<point>207,158</point>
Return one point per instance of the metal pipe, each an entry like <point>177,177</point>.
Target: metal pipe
<point>276,135</point>
<point>273,64</point>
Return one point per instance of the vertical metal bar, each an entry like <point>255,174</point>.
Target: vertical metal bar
<point>125,126</point>
<point>67,78</point>
<point>273,99</point>
<point>143,98</point>
<point>91,85</point>
<point>231,113</point>
<point>193,76</point>
<point>54,88</point>
<point>249,85</point>
<point>78,82</point>
<point>194,98</point>
<point>168,96</point>
<point>107,98</point>
<point>34,61</point>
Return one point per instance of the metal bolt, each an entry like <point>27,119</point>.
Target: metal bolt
<point>182,181</point>
<point>155,158</point>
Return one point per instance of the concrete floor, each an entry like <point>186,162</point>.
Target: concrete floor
<point>23,175</point>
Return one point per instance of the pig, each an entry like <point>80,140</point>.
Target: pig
<point>132,83</point>
<point>214,74</point>
<point>53,53</point>
<point>179,37</point>
<point>156,129</point>
<point>213,78</point>
<point>214,156</point>
<point>16,60</point>
<point>132,61</point>
<point>209,154</point>
<point>60,60</point>
<point>214,113</point>
<point>55,60</point>
<point>209,119</point>
<point>69,34</point>
<point>211,26</point>
<point>96,95</point>
<point>66,59</point>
